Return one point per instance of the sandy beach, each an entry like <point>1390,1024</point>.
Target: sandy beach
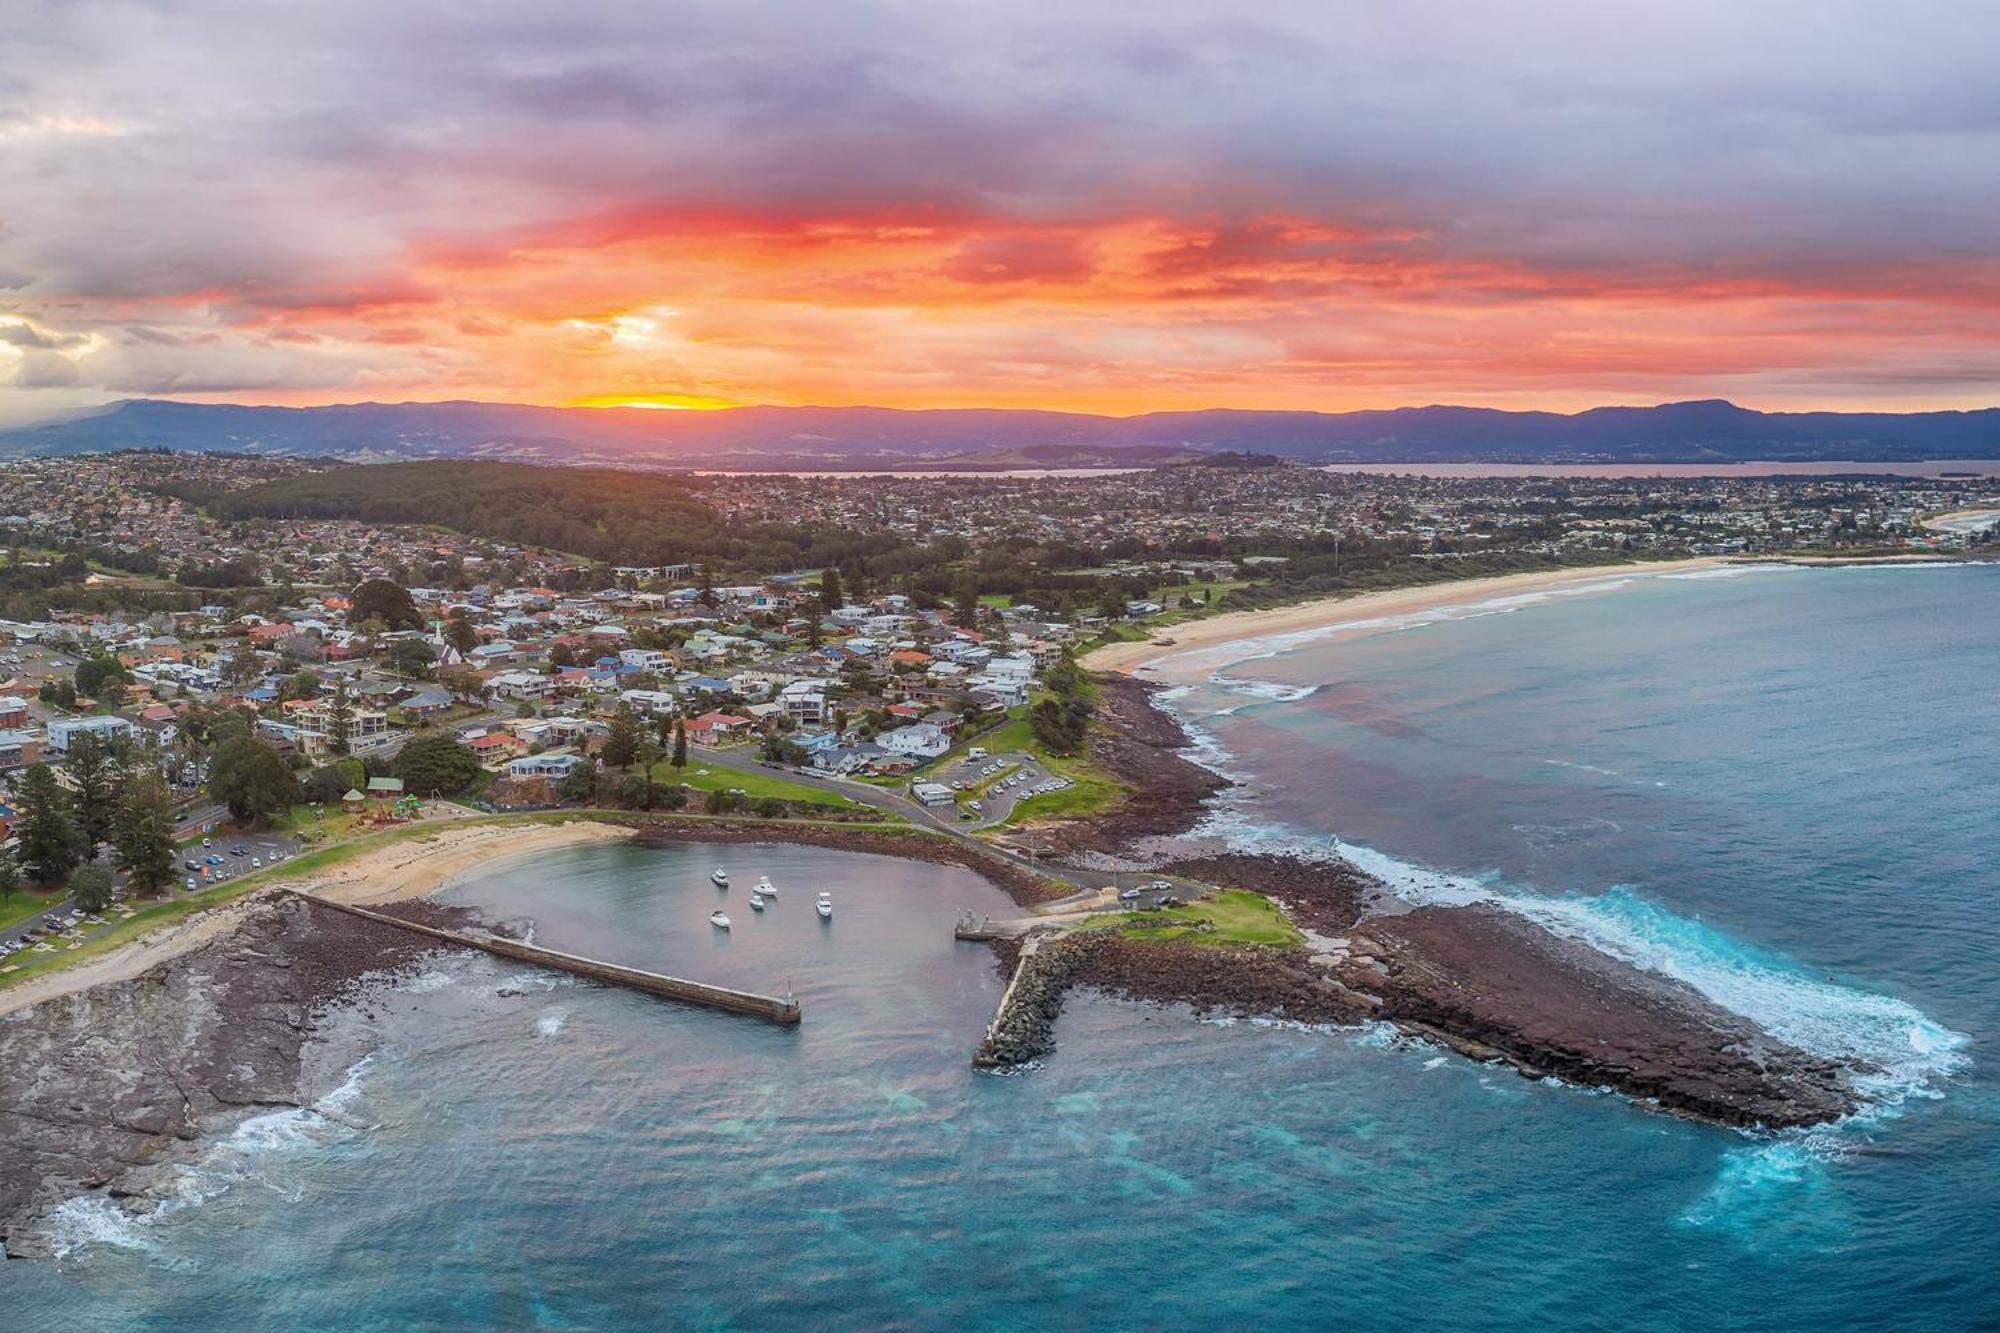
<point>398,870</point>
<point>1234,626</point>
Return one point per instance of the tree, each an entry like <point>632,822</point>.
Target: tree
<point>368,636</point>
<point>99,673</point>
<point>580,783</point>
<point>437,762</point>
<point>144,835</point>
<point>680,759</point>
<point>965,601</point>
<point>621,745</point>
<point>95,770</point>
<point>91,888</point>
<point>251,779</point>
<point>50,846</point>
<point>830,592</point>
<point>300,685</point>
<point>1060,724</point>
<point>390,603</point>
<point>562,655</point>
<point>328,785</point>
<point>241,665</point>
<point>460,635</point>
<point>339,717</point>
<point>779,750</point>
<point>10,876</point>
<point>412,657</point>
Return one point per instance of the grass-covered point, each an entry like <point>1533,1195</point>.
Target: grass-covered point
<point>1232,916</point>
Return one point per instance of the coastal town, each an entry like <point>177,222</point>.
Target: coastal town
<point>230,688</point>
<point>141,619</point>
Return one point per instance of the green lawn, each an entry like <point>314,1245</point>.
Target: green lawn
<point>1215,588</point>
<point>1234,916</point>
<point>756,785</point>
<point>1092,789</point>
<point>21,905</point>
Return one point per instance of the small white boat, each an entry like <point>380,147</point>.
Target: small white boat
<point>719,919</point>
<point>756,901</point>
<point>824,905</point>
<point>721,878</point>
<point>765,887</point>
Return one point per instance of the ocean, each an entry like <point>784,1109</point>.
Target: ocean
<point>1777,785</point>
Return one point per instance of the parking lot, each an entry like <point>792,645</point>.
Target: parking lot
<point>226,858</point>
<point>990,787</point>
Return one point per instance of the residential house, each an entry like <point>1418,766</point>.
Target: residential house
<point>716,727</point>
<point>919,740</point>
<point>64,730</point>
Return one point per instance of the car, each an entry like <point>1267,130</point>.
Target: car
<point>204,842</point>
<point>975,807</point>
<point>239,851</point>
<point>192,865</point>
<point>257,861</point>
<point>212,859</point>
<point>977,752</point>
<point>190,885</point>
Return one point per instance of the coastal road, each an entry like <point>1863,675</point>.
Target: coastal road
<point>943,820</point>
<point>256,847</point>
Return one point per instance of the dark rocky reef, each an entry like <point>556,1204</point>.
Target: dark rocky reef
<point>99,1086</point>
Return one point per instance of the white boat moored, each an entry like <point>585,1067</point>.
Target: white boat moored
<point>721,878</point>
<point>765,887</point>
<point>756,901</point>
<point>720,920</point>
<point>824,905</point>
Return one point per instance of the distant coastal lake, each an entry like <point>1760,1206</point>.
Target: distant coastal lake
<point>1977,467</point>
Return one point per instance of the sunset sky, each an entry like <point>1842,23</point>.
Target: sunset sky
<point>1081,204</point>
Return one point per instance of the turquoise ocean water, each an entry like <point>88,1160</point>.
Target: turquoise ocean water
<point>1777,785</point>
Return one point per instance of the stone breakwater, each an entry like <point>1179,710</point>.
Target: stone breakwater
<point>1479,980</point>
<point>1023,1028</point>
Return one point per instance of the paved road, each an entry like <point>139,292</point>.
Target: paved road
<point>943,820</point>
<point>997,802</point>
<point>256,846</point>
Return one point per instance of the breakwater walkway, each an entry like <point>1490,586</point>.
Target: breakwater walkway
<point>784,1010</point>
<point>1023,1028</point>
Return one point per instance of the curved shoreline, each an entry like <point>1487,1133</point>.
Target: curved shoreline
<point>1329,613</point>
<point>398,870</point>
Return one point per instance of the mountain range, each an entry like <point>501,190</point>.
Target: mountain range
<point>873,437</point>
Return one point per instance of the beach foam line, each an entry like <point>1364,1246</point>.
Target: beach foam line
<point>1893,1050</point>
<point>1254,647</point>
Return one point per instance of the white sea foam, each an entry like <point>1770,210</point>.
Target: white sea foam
<point>247,1155</point>
<point>552,1022</point>
<point>77,1224</point>
<point>1257,647</point>
<point>1893,1049</point>
<point>1728,572</point>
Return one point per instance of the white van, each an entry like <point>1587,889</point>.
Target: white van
<point>976,752</point>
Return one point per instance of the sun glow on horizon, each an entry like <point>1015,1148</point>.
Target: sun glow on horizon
<point>656,402</point>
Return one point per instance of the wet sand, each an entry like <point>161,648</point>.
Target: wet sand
<point>1158,655</point>
<point>396,871</point>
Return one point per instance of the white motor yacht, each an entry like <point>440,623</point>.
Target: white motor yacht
<point>824,905</point>
<point>721,878</point>
<point>719,919</point>
<point>756,901</point>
